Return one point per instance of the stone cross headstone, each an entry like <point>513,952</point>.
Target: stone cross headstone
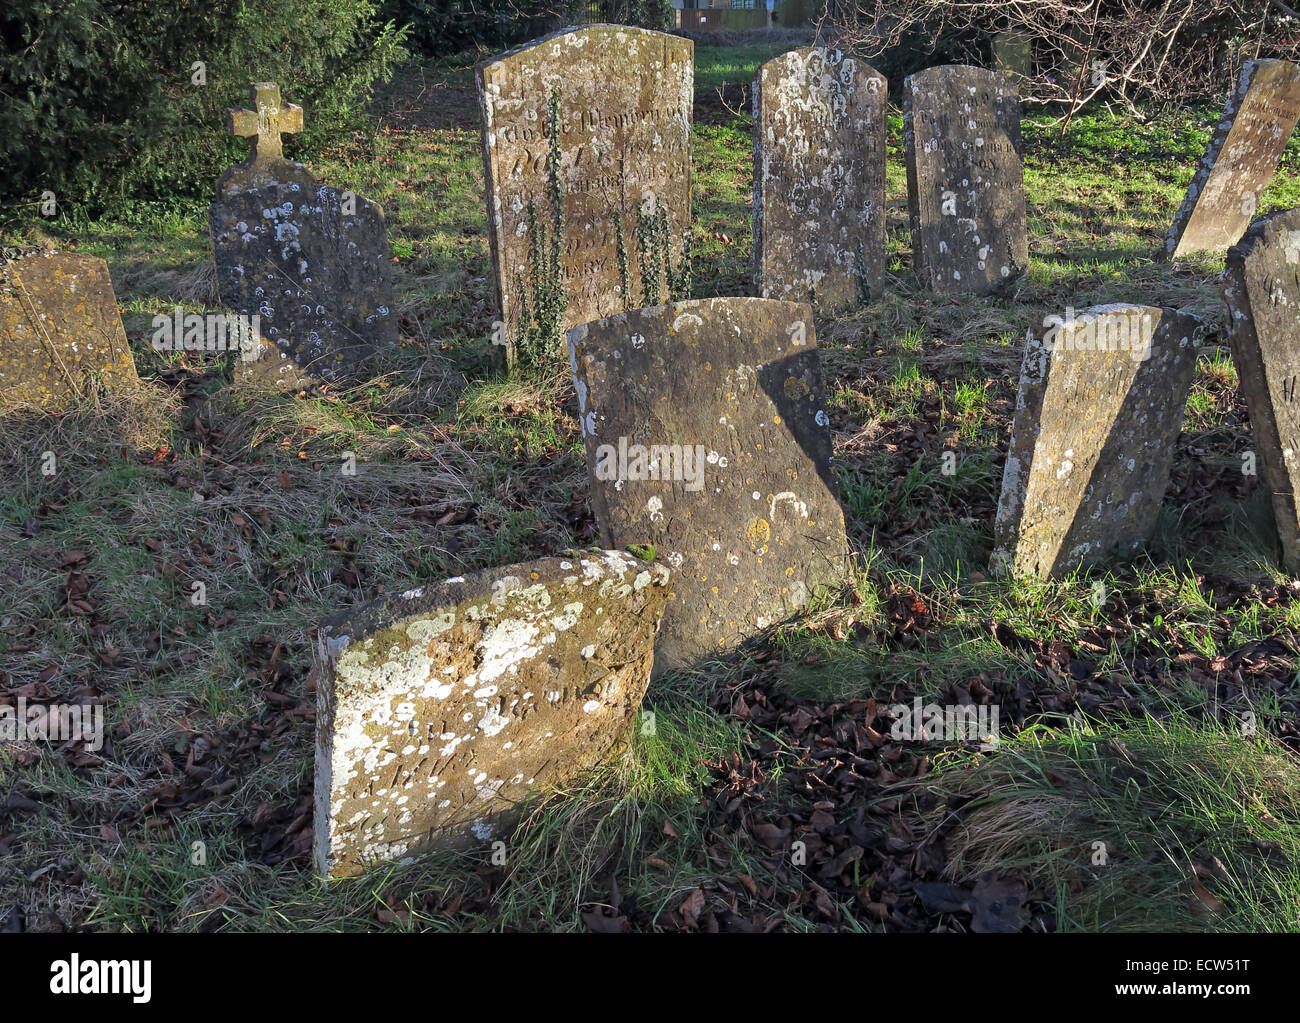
<point>60,331</point>
<point>1100,406</point>
<point>1240,161</point>
<point>1261,289</point>
<point>624,134</point>
<point>1013,54</point>
<point>819,179</point>
<point>308,261</point>
<point>264,123</point>
<point>706,437</point>
<point>441,710</point>
<point>965,179</point>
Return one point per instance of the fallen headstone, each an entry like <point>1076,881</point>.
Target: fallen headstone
<point>60,332</point>
<point>706,436</point>
<point>1100,406</point>
<point>965,179</point>
<point>441,710</point>
<point>624,99</point>
<point>1240,161</point>
<point>310,262</point>
<point>1261,288</point>
<point>819,179</point>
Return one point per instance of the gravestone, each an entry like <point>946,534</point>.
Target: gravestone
<point>706,436</point>
<point>1013,54</point>
<point>1240,161</point>
<point>965,179</point>
<point>1099,409</point>
<point>624,135</point>
<point>1261,289</point>
<point>819,179</point>
<point>310,262</point>
<point>441,710</point>
<point>59,331</point>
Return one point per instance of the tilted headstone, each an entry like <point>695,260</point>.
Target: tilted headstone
<point>1240,160</point>
<point>1261,288</point>
<point>1013,54</point>
<point>59,331</point>
<point>819,179</point>
<point>624,134</point>
<point>1100,406</point>
<point>310,262</point>
<point>441,710</point>
<point>965,179</point>
<point>706,436</point>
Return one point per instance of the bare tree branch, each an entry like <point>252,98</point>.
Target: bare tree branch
<point>1154,49</point>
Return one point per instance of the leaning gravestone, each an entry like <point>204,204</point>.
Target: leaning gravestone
<point>1099,409</point>
<point>311,263</point>
<point>819,178</point>
<point>624,100</point>
<point>965,179</point>
<point>1013,54</point>
<point>442,710</point>
<point>706,436</point>
<point>1261,288</point>
<point>1240,160</point>
<point>59,331</point>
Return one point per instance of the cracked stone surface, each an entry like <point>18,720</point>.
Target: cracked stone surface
<point>1240,161</point>
<point>706,435</point>
<point>819,179</point>
<point>1099,409</point>
<point>317,275</point>
<point>440,710</point>
<point>626,97</point>
<point>1261,289</point>
<point>965,179</point>
<point>59,331</point>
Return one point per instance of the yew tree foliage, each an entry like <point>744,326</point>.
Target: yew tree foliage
<point>97,100</point>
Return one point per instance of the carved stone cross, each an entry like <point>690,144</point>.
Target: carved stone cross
<point>264,124</point>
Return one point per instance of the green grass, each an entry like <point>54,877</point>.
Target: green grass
<point>1153,826</point>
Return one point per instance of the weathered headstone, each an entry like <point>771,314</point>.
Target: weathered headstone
<point>624,134</point>
<point>1100,406</point>
<point>1261,288</point>
<point>819,178</point>
<point>1013,54</point>
<point>442,710</point>
<point>309,261</point>
<point>59,331</point>
<point>965,179</point>
<point>706,436</point>
<point>1240,160</point>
